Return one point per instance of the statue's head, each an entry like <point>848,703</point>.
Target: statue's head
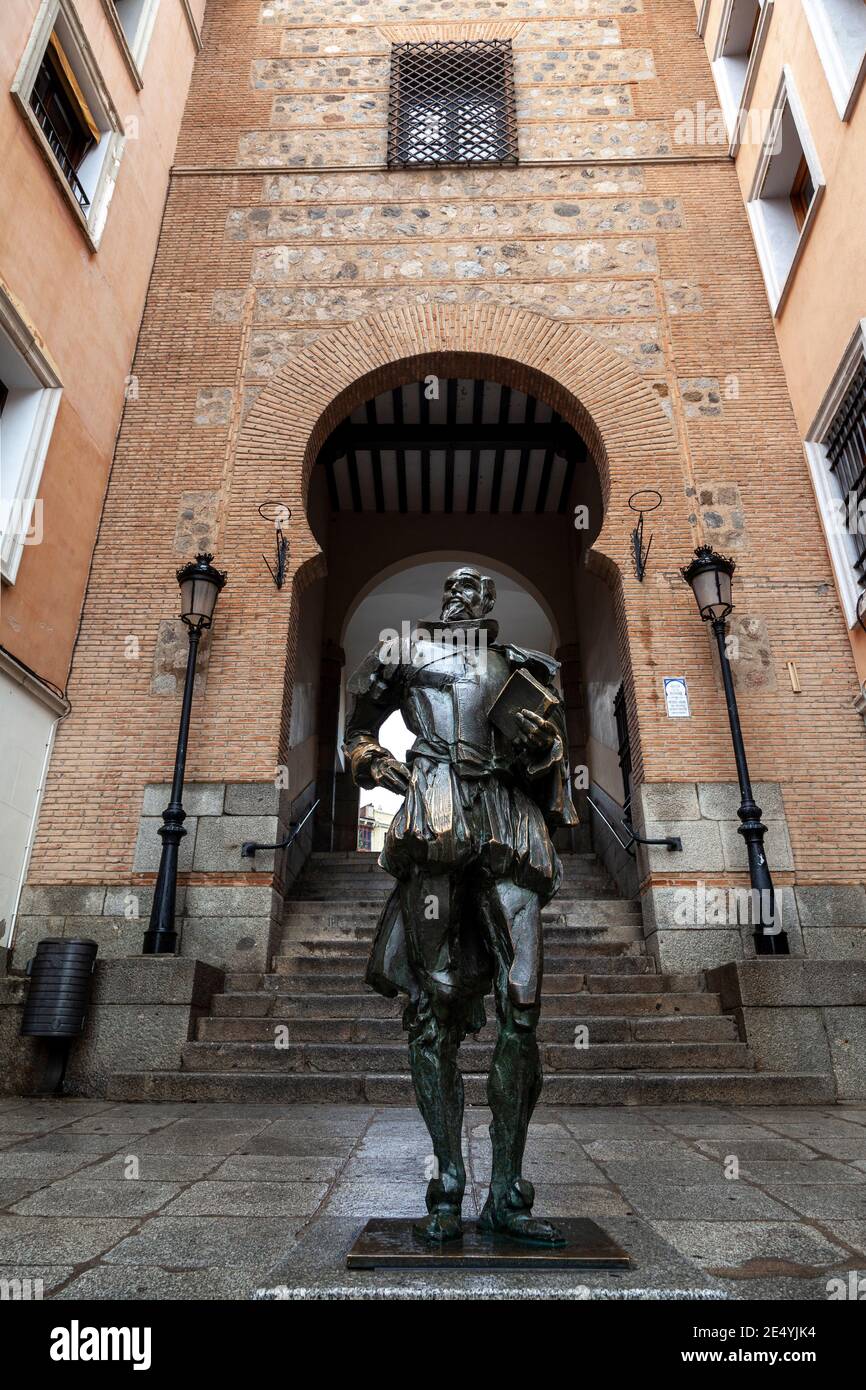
<point>467,593</point>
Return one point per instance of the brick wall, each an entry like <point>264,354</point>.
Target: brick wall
<point>296,277</point>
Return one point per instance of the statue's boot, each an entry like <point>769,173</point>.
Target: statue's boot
<point>434,1037</point>
<point>513,1087</point>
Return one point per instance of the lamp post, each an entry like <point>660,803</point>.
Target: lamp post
<point>709,575</point>
<point>200,585</point>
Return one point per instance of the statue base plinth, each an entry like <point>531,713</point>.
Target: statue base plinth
<point>391,1243</point>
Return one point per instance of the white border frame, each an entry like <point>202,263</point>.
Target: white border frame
<point>822,481</point>
<point>92,223</point>
<point>778,286</point>
<point>24,341</point>
<point>844,88</point>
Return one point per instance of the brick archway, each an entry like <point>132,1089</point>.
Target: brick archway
<point>594,389</point>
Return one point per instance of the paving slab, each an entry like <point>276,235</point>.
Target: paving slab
<point>248,1199</point>
<point>55,1240</point>
<point>188,1242</point>
<point>75,1197</point>
<point>152,1283</point>
<point>743,1247</point>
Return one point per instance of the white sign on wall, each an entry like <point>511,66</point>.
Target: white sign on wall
<point>676,697</point>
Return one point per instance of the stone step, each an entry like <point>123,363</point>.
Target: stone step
<point>391,1058</point>
<point>366,911</point>
<point>284,977</point>
<point>711,1028</point>
<point>557,944</point>
<point>557,961</point>
<point>306,932</point>
<point>263,1003</point>
<point>599,1088</point>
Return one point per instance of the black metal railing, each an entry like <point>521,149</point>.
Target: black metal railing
<point>846,457</point>
<point>452,103</point>
<point>671,842</point>
<point>67,168</point>
<point>250,848</point>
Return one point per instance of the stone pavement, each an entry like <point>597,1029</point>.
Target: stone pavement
<point>101,1200</point>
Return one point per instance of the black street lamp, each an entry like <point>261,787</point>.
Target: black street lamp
<point>200,585</point>
<point>709,575</point>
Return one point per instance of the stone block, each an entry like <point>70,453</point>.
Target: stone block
<point>129,1037</point>
<point>701,852</point>
<point>846,1032</point>
<point>115,936</point>
<point>196,522</point>
<point>834,943</point>
<point>832,905</point>
<point>235,900</point>
<point>786,1040</point>
<point>134,901</point>
<point>199,798</point>
<point>776,844</point>
<point>690,949</point>
<point>155,980</point>
<point>719,800</point>
<point>251,799</point>
<point>786,983</point>
<point>701,397</point>
<point>219,840</point>
<point>148,845</point>
<point>62,900</point>
<point>231,943</point>
<point>663,801</point>
<point>213,405</point>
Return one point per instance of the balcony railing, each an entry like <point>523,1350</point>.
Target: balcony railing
<point>67,168</point>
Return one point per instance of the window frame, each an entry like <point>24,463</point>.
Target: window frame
<point>62,13</point>
<point>735,95</point>
<point>826,20</point>
<point>23,341</point>
<point>778,265</point>
<point>134,48</point>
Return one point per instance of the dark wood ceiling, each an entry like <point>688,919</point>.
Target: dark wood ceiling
<point>476,447</point>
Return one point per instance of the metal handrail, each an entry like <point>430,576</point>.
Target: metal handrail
<point>250,848</point>
<point>672,842</point>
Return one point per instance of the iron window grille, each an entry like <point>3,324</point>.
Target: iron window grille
<point>846,459</point>
<point>452,103</point>
<point>620,715</point>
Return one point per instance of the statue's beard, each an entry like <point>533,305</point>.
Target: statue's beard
<point>455,608</point>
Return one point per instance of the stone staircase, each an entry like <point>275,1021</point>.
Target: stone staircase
<point>311,1030</point>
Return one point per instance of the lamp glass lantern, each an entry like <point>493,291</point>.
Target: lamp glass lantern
<point>709,576</point>
<point>200,585</point>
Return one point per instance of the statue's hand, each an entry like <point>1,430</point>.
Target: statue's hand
<point>540,743</point>
<point>390,773</point>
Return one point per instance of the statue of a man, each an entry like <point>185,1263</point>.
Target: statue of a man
<point>470,849</point>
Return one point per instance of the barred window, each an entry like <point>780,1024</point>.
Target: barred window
<point>452,103</point>
<point>845,446</point>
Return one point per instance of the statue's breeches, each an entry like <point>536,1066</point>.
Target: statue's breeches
<point>450,822</point>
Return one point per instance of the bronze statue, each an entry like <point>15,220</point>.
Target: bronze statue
<point>486,782</point>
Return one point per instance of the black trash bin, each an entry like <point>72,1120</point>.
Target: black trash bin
<point>61,975</point>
